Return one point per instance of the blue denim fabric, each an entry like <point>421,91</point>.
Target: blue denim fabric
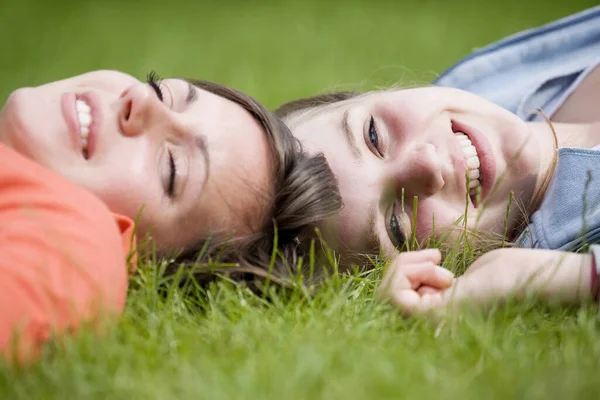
<point>536,68</point>
<point>569,216</point>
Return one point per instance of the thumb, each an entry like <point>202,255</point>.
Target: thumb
<point>428,274</point>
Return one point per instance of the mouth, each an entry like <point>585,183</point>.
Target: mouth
<point>82,115</point>
<point>84,118</point>
<point>473,173</point>
<point>479,164</point>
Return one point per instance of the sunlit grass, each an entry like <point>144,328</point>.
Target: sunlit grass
<point>227,342</point>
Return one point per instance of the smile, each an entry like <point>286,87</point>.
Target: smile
<point>84,117</point>
<point>472,162</point>
<point>480,162</point>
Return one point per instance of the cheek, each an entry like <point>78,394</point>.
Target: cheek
<point>32,123</point>
<point>438,217</point>
<point>133,199</point>
<point>129,185</point>
<point>521,154</point>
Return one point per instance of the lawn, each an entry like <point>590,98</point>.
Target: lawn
<point>337,342</point>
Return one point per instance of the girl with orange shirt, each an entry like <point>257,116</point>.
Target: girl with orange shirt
<point>188,160</point>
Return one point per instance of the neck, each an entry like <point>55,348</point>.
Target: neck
<point>583,136</point>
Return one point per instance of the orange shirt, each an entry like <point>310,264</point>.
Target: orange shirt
<point>62,256</point>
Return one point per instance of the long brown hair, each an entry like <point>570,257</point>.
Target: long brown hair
<point>304,193</point>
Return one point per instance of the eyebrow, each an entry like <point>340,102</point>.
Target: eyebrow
<point>351,141</point>
<point>192,94</point>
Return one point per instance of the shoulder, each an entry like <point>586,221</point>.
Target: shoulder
<point>62,252</point>
<point>532,67</point>
<point>32,193</point>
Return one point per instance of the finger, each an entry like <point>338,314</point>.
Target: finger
<point>410,302</point>
<point>393,280</point>
<point>407,301</point>
<point>412,257</point>
<point>431,302</point>
<point>427,290</point>
<point>428,274</point>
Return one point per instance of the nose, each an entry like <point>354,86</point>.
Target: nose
<point>417,170</point>
<point>139,109</point>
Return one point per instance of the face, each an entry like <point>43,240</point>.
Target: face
<point>181,161</point>
<point>450,150</point>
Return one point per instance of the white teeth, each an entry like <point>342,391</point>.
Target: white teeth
<point>463,139</point>
<point>81,106</point>
<point>84,116</point>
<point>469,151</point>
<point>473,162</point>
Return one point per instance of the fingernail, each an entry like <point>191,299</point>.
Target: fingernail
<point>446,274</point>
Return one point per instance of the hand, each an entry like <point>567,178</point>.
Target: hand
<point>415,283</point>
<point>557,276</point>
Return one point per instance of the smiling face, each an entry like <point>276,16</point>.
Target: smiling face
<point>388,147</point>
<point>184,162</point>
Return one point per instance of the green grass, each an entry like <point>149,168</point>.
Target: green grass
<point>338,343</point>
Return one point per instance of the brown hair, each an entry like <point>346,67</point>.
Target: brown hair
<point>304,191</point>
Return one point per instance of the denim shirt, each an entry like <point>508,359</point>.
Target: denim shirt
<point>569,217</point>
<point>534,69</point>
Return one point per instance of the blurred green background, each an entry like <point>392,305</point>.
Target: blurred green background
<point>274,50</point>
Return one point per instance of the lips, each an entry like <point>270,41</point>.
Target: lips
<point>70,115</point>
<point>482,146</point>
<point>93,101</point>
<point>84,145</point>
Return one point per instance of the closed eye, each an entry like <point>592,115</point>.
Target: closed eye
<point>154,81</point>
<point>372,138</point>
<point>170,189</point>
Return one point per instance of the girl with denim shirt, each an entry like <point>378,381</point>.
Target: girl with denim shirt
<point>390,146</point>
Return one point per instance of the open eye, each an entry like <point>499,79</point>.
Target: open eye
<point>372,137</point>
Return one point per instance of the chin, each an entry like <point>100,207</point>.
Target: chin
<point>28,126</point>
<point>14,129</point>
